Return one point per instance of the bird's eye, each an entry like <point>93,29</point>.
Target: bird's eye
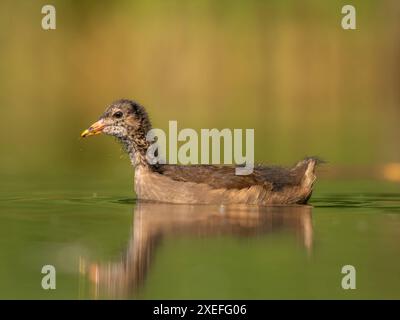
<point>118,115</point>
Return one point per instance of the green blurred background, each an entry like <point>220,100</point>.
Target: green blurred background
<point>285,68</point>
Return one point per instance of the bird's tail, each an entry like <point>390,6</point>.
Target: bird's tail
<point>308,165</point>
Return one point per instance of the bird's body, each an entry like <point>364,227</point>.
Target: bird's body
<point>220,185</point>
<point>200,184</point>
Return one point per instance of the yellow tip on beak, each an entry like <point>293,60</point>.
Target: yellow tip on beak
<point>94,129</point>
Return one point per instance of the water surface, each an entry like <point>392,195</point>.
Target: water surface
<point>107,245</point>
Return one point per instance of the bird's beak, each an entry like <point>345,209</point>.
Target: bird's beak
<point>95,128</point>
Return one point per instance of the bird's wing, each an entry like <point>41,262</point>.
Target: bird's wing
<point>217,177</point>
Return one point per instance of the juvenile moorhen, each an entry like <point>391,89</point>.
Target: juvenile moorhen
<point>129,123</point>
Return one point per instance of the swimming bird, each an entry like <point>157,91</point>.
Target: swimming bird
<point>129,122</point>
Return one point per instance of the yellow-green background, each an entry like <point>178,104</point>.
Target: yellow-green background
<point>285,68</point>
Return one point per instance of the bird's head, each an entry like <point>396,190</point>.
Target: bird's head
<point>123,119</point>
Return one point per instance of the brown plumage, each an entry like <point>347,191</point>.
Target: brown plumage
<point>129,123</point>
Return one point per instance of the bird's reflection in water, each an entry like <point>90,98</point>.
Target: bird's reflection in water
<point>153,221</point>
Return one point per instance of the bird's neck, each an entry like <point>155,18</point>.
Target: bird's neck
<point>136,145</point>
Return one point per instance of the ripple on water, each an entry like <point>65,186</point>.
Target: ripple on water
<point>389,201</point>
<point>383,201</point>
